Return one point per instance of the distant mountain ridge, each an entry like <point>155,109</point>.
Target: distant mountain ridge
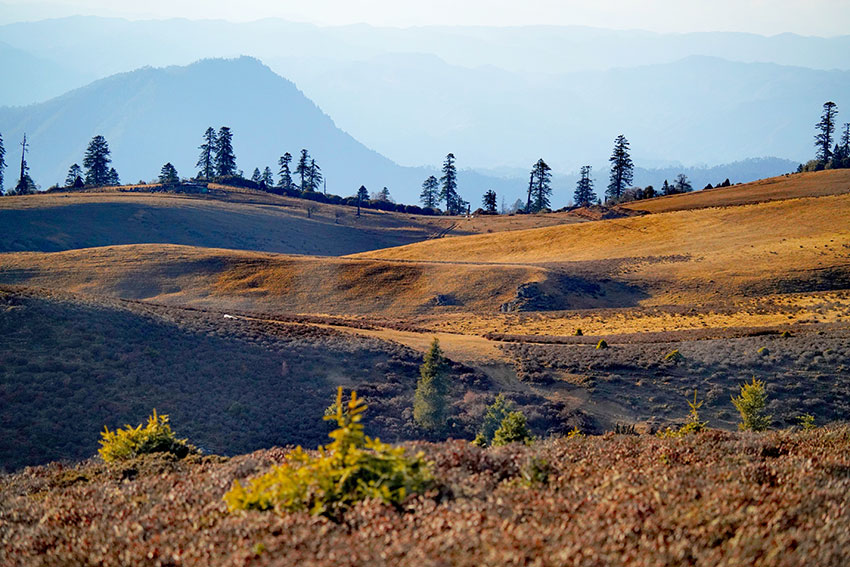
<point>153,116</point>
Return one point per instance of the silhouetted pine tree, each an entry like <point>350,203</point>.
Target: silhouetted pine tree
<point>2,163</point>
<point>285,182</point>
<point>25,184</point>
<point>168,175</point>
<point>96,161</point>
<point>826,127</point>
<point>209,149</point>
<point>363,193</point>
<point>113,179</point>
<point>314,176</point>
<point>225,159</point>
<point>542,186</point>
<point>256,176</point>
<point>584,196</point>
<point>382,195</point>
<point>267,178</point>
<point>682,184</point>
<point>489,201</point>
<point>622,169</point>
<point>448,191</point>
<point>75,176</point>
<point>303,169</point>
<point>430,196</point>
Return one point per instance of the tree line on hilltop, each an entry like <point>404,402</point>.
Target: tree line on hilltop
<point>304,178</point>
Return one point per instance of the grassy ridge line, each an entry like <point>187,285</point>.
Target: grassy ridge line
<point>703,232</point>
<point>791,186</point>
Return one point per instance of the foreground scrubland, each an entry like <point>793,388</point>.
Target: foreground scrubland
<point>711,499</point>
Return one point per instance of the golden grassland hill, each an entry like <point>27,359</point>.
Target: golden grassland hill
<point>226,217</point>
<point>677,257</point>
<point>790,186</point>
<point>683,257</point>
<point>776,499</point>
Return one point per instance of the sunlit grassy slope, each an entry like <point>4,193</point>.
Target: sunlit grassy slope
<point>814,184</point>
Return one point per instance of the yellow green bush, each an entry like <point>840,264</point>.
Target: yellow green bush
<point>693,424</point>
<point>130,442</point>
<point>350,469</point>
<point>513,429</point>
<point>751,404</point>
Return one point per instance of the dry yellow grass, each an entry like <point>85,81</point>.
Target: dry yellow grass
<point>260,281</point>
<point>813,184</point>
<point>686,256</point>
<point>768,311</point>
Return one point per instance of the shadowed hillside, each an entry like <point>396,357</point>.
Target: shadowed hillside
<point>239,219</point>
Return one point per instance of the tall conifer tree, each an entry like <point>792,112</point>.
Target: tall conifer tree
<point>826,127</point>
<point>622,169</point>
<point>430,196</point>
<point>209,149</point>
<point>448,191</point>
<point>225,159</point>
<point>285,182</point>
<point>584,196</point>
<point>96,161</point>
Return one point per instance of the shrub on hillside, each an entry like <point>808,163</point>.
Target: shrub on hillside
<point>352,468</point>
<point>513,429</point>
<point>130,442</point>
<point>751,404</point>
<point>493,417</point>
<point>429,399</point>
<point>693,424</point>
<point>602,344</point>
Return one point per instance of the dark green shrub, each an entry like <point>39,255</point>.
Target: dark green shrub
<point>429,400</point>
<point>493,417</point>
<point>601,344</point>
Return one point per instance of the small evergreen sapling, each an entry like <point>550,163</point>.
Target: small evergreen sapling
<point>352,468</point>
<point>130,442</point>
<point>751,404</point>
<point>429,401</point>
<point>493,417</point>
<point>513,429</point>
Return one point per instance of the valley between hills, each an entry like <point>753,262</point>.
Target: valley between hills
<point>301,301</point>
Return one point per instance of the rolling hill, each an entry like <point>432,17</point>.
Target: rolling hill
<point>677,257</point>
<point>228,217</point>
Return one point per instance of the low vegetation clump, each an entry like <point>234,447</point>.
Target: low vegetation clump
<point>751,404</point>
<point>601,344</point>
<point>513,429</point>
<point>674,356</point>
<point>693,424</point>
<point>351,469</point>
<point>807,422</point>
<point>493,418</point>
<point>130,442</point>
<point>718,498</point>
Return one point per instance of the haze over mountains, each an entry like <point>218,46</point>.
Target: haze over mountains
<point>498,98</point>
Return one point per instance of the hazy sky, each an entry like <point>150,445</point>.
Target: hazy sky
<point>808,17</point>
